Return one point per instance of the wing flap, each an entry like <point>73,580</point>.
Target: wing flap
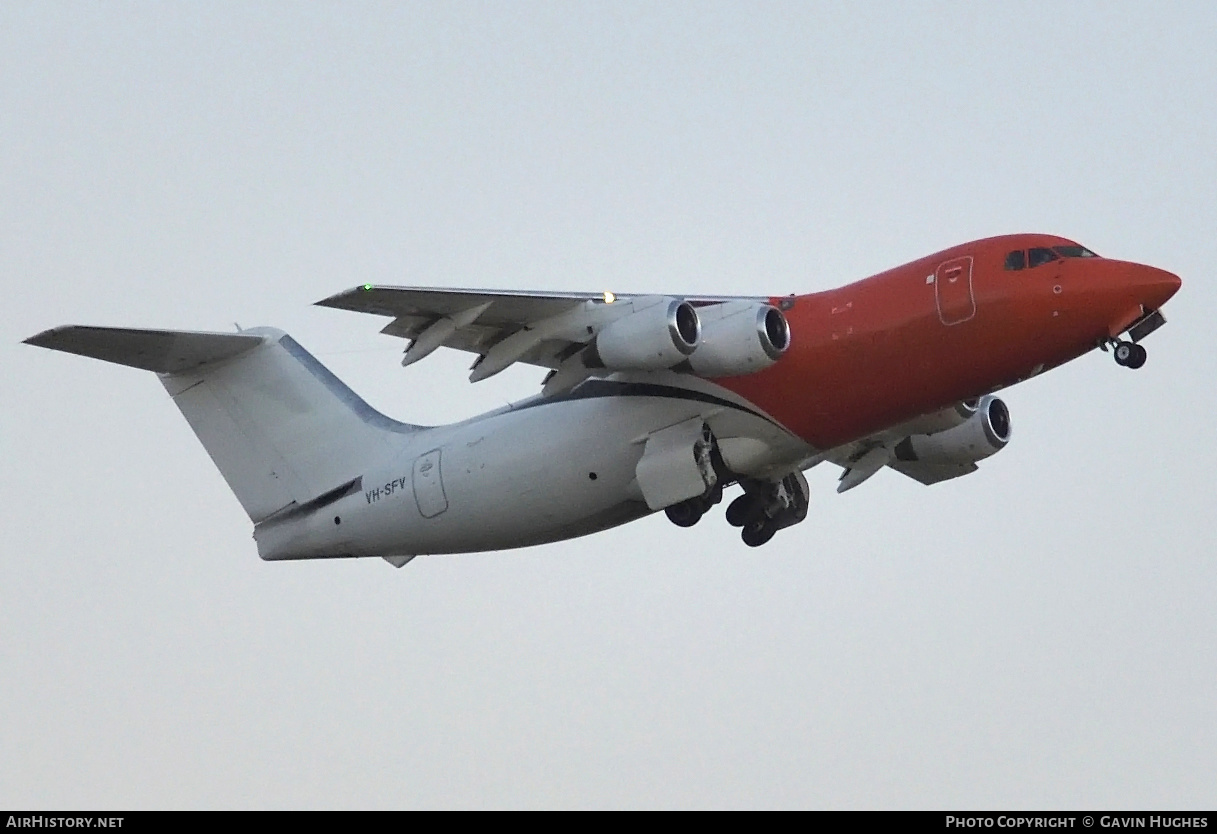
<point>415,309</point>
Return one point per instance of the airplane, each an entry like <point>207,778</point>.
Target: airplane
<point>652,402</point>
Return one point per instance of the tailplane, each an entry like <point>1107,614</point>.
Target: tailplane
<point>281,428</point>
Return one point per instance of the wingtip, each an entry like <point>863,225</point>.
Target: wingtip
<point>337,300</point>
<point>332,300</point>
<point>46,337</point>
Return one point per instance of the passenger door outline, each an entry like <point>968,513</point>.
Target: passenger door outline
<point>953,290</point>
<point>429,492</point>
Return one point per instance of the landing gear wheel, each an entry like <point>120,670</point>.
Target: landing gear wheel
<point>684,514</point>
<point>757,533</point>
<point>1138,357</point>
<point>741,510</point>
<point>1129,354</point>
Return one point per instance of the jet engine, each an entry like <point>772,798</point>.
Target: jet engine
<point>939,421</point>
<point>983,434</point>
<point>656,337</point>
<point>739,337</point>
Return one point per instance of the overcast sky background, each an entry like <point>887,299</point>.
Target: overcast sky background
<point>1041,634</point>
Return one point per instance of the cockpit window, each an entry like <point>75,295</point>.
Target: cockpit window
<point>1039,257</point>
<point>1074,252</point>
<point>1016,259</point>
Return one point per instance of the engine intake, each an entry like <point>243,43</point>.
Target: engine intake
<point>983,434</point>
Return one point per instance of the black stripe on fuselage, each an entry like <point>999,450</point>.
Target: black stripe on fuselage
<point>607,388</point>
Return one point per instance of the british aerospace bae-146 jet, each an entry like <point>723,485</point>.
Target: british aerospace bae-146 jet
<point>653,402</point>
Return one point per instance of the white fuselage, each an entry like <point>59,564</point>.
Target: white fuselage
<point>538,471</point>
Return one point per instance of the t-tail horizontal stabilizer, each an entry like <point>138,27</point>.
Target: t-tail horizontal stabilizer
<point>162,351</point>
<point>287,435</point>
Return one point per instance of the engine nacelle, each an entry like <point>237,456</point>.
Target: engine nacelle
<point>983,434</point>
<point>947,418</point>
<point>739,337</point>
<point>658,336</point>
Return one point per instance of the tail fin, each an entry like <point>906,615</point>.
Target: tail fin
<point>281,428</point>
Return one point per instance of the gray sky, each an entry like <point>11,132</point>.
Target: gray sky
<point>1038,635</point>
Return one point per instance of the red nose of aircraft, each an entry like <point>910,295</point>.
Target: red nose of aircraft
<point>1153,286</point>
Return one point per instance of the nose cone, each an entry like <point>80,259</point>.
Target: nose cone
<point>1124,292</point>
<point>1154,286</point>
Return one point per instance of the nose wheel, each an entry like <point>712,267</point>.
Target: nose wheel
<point>1129,354</point>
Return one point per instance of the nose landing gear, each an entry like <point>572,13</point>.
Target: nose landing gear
<point>1130,354</point>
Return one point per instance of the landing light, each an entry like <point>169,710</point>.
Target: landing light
<point>609,297</point>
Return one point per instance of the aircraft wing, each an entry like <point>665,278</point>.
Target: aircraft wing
<point>502,327</point>
<point>414,309</point>
<point>859,461</point>
<point>932,448</point>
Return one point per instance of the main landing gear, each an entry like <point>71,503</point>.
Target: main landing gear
<point>766,507</point>
<point>763,509</point>
<point>687,513</point>
<point>1128,354</point>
